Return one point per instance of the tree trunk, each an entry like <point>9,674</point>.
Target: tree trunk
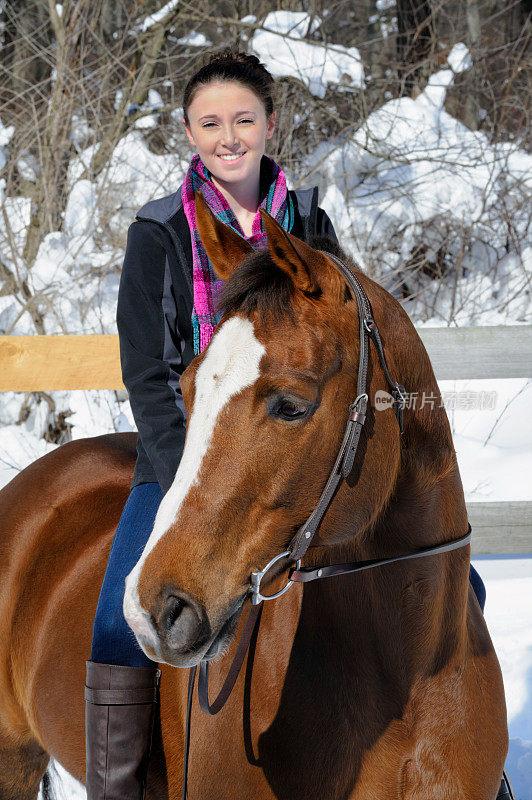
<point>471,107</point>
<point>416,43</point>
<point>49,200</point>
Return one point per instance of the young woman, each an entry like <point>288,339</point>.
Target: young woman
<point>166,315</point>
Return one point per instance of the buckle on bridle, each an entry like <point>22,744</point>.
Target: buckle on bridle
<point>369,324</point>
<point>256,578</point>
<point>357,409</point>
<point>399,403</point>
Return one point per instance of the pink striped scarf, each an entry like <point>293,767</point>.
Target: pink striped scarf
<point>277,202</point>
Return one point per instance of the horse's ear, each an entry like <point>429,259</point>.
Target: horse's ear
<point>291,254</point>
<point>225,248</point>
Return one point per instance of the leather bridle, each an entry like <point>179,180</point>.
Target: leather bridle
<point>302,539</point>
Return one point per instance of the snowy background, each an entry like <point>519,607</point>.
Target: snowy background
<point>410,173</point>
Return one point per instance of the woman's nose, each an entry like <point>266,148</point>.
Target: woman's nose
<point>228,137</point>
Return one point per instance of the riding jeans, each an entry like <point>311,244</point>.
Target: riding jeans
<point>113,640</point>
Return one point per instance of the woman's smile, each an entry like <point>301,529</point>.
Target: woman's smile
<point>231,158</point>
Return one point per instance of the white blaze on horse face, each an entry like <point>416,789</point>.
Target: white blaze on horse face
<point>230,365</point>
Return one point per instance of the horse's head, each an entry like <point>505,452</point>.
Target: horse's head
<point>267,403</point>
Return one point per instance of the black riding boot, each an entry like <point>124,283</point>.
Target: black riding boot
<point>120,704</point>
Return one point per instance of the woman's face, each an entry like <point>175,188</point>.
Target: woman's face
<point>225,119</point>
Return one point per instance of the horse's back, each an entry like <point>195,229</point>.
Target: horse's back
<point>58,518</point>
<point>73,473</point>
<point>72,468</point>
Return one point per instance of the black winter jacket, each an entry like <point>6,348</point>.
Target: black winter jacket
<point>153,316</point>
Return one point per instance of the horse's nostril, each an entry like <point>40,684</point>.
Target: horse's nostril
<point>180,620</point>
<point>175,605</point>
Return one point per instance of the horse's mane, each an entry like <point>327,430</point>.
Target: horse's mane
<point>259,285</point>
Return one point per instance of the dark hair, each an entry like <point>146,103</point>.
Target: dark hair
<point>230,64</point>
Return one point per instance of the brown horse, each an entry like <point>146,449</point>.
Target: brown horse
<point>380,685</point>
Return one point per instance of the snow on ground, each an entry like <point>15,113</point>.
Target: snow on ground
<point>493,445</point>
<point>413,175</point>
<point>156,17</point>
<point>5,136</point>
<point>508,612</point>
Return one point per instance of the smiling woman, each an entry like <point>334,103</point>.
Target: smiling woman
<point>167,313</point>
<point>231,142</point>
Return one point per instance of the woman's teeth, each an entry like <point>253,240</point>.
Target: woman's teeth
<point>234,157</point>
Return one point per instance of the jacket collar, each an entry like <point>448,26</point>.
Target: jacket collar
<point>163,209</point>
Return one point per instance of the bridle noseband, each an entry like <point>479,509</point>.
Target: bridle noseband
<point>302,539</point>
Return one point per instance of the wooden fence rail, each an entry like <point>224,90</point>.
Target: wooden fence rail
<point>501,527</point>
<point>484,352</point>
<point>47,363</point>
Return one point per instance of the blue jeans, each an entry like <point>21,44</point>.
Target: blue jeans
<point>478,585</point>
<point>113,640</point>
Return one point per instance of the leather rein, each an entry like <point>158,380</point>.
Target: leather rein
<point>302,539</point>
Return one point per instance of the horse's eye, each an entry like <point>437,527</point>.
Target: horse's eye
<point>288,409</point>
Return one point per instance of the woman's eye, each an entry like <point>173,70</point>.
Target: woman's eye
<point>208,124</point>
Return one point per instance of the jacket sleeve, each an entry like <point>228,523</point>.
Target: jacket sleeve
<point>150,360</point>
<point>324,225</point>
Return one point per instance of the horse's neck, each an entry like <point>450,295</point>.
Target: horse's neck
<point>366,646</point>
<point>410,615</point>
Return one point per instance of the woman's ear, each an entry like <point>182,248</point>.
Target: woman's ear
<point>271,125</point>
<point>188,133</point>
<point>225,248</point>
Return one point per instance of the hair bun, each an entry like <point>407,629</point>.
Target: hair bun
<point>235,55</point>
